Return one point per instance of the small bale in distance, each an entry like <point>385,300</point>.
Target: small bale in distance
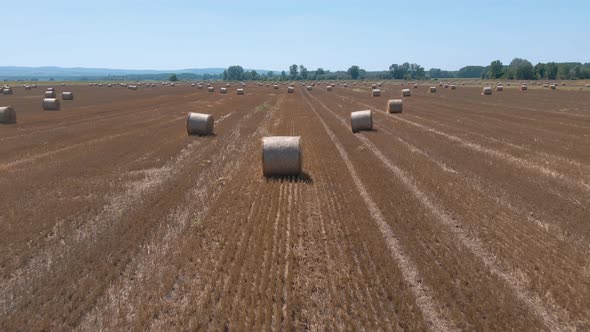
<point>524,87</point>
<point>499,88</point>
<point>7,91</point>
<point>67,95</point>
<point>406,92</point>
<point>223,91</point>
<point>309,88</point>
<point>290,89</point>
<point>486,91</point>
<point>376,93</point>
<point>50,94</point>
<point>210,89</point>
<point>7,115</point>
<point>132,87</point>
<point>395,105</point>
<point>553,86</point>
<point>329,88</point>
<point>453,87</point>
<point>276,87</point>
<point>51,104</point>
<point>361,120</point>
<point>281,155</point>
<point>432,89</point>
<point>200,124</point>
<point>240,92</point>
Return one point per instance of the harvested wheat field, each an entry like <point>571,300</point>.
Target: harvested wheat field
<point>464,212</point>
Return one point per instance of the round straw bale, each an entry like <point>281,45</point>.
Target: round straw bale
<point>240,91</point>
<point>67,95</point>
<point>486,91</point>
<point>361,120</point>
<point>7,91</point>
<point>50,89</point>
<point>395,105</point>
<point>376,93</point>
<point>309,88</point>
<point>523,87</point>
<point>50,94</point>
<point>406,92</point>
<point>373,86</point>
<point>553,86</point>
<point>27,87</point>
<point>109,85</point>
<point>432,89</point>
<point>223,90</point>
<point>290,89</point>
<point>281,155</point>
<point>200,124</point>
<point>446,86</point>
<point>211,89</point>
<point>200,86</point>
<point>132,87</point>
<point>51,104</point>
<point>453,87</point>
<point>275,87</point>
<point>499,88</point>
<point>7,115</point>
<point>193,85</point>
<point>415,86</point>
<point>329,88</point>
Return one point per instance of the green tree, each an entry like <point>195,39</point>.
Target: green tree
<point>235,73</point>
<point>563,71</point>
<point>293,72</point>
<point>354,72</point>
<point>320,72</point>
<point>303,72</point>
<point>551,70</point>
<point>471,72</point>
<point>418,71</point>
<point>539,70</point>
<point>283,76</point>
<point>521,69</point>
<point>496,69</point>
<point>397,71</point>
<point>173,78</point>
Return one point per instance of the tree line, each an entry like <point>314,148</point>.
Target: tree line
<point>519,69</point>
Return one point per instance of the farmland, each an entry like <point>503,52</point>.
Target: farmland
<point>464,212</point>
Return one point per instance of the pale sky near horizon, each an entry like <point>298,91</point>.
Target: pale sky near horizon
<point>179,34</point>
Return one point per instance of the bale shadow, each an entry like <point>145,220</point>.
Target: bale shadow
<point>204,135</point>
<point>374,130</point>
<point>303,178</point>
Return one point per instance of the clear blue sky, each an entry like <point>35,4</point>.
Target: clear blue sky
<point>179,34</point>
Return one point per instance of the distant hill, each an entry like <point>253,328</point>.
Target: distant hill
<point>73,73</point>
